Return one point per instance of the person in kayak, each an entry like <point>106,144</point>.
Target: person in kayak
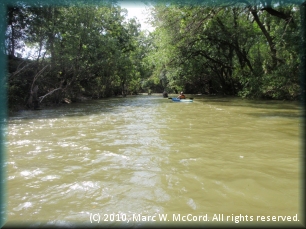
<point>181,96</point>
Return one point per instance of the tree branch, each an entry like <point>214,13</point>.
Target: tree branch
<point>36,76</point>
<point>20,70</point>
<point>51,92</point>
<point>286,17</point>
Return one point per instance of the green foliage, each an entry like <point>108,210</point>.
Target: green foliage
<point>246,50</point>
<point>91,50</point>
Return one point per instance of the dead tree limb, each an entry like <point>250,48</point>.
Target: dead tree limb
<point>49,93</point>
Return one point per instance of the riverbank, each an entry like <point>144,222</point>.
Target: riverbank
<point>80,99</point>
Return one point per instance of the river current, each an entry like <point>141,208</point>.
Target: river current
<point>145,160</point>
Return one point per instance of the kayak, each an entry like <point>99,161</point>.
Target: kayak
<point>182,100</point>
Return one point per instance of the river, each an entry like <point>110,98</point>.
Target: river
<point>145,160</point>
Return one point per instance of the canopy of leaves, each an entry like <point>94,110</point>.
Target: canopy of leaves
<point>89,50</point>
<point>244,48</point>
<point>234,48</point>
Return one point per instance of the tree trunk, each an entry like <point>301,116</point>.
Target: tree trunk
<point>268,37</point>
<point>123,89</point>
<point>35,98</point>
<point>33,101</point>
<point>11,12</point>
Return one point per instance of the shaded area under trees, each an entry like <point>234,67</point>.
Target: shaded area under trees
<point>244,48</point>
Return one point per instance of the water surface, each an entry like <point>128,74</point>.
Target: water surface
<point>143,157</point>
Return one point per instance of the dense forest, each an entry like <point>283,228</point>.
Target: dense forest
<point>241,48</point>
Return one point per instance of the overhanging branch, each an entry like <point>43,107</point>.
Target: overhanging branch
<point>51,92</point>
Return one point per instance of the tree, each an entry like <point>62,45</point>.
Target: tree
<point>224,48</point>
<point>90,50</point>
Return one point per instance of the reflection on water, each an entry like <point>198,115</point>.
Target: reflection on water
<point>144,156</point>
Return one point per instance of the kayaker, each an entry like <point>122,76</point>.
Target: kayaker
<point>181,96</point>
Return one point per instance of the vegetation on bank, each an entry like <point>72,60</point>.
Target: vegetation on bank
<point>248,49</point>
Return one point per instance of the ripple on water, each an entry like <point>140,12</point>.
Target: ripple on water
<point>50,177</point>
<point>30,174</point>
<point>191,204</point>
<point>22,206</point>
<point>22,142</point>
<point>85,186</point>
<point>137,156</point>
<point>144,178</point>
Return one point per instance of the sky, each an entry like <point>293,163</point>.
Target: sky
<point>137,9</point>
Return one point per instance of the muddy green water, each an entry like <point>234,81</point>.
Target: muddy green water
<point>126,161</point>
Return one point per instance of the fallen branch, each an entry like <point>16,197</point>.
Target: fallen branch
<point>51,92</point>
